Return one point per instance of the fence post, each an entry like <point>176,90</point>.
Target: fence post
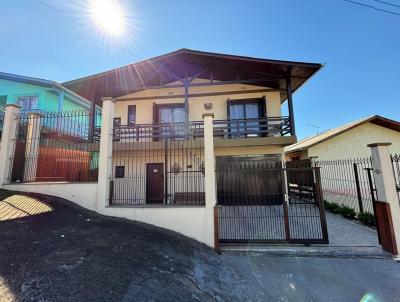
<point>32,146</point>
<point>359,197</point>
<point>8,141</point>
<point>209,181</point>
<point>105,153</point>
<point>385,184</point>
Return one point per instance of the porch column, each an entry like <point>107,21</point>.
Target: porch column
<point>209,180</point>
<point>105,154</point>
<point>386,184</point>
<point>8,140</point>
<point>290,105</point>
<point>32,146</point>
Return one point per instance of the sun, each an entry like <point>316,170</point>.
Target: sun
<point>108,15</point>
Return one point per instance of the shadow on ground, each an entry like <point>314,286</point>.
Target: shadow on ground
<point>71,254</point>
<point>68,253</point>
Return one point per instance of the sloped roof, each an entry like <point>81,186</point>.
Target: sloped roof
<point>41,82</point>
<point>317,139</point>
<point>186,62</point>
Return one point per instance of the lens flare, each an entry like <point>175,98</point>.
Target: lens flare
<point>108,15</point>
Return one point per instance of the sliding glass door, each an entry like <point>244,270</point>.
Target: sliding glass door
<point>244,115</point>
<point>173,118</point>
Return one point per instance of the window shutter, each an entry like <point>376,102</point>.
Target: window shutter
<point>264,107</point>
<point>155,117</point>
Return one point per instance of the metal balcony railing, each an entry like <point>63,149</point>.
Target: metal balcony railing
<point>237,128</point>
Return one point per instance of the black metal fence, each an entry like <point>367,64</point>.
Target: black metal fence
<point>348,182</point>
<point>251,194</point>
<point>158,165</point>
<point>56,146</point>
<point>396,170</point>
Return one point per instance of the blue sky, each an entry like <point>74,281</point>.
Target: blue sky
<point>360,46</point>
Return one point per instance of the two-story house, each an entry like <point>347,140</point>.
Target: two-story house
<point>159,105</point>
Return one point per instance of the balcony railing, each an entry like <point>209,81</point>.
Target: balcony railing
<point>255,127</point>
<point>238,128</point>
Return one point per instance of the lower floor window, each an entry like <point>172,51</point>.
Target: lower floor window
<point>119,171</point>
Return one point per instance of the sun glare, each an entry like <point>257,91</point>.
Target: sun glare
<point>108,16</point>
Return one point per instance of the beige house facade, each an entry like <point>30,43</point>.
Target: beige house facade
<point>348,141</point>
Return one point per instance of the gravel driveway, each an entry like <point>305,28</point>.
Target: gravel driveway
<point>70,254</point>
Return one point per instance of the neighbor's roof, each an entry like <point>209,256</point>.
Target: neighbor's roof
<point>185,62</point>
<point>41,82</point>
<point>317,139</point>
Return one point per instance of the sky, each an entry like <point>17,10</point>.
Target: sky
<point>360,46</point>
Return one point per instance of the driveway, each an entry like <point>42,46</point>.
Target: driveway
<point>53,250</point>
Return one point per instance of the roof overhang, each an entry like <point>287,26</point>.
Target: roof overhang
<point>186,63</point>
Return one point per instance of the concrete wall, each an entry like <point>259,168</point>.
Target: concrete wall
<point>190,221</point>
<point>144,108</point>
<point>353,143</point>
<point>83,194</point>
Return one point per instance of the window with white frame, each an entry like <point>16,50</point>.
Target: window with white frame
<point>28,102</point>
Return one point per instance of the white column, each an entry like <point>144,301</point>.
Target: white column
<point>32,146</point>
<point>8,140</point>
<point>105,154</point>
<point>386,183</point>
<point>209,176</point>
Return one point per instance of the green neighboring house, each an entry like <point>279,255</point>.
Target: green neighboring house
<point>34,94</point>
<point>39,95</point>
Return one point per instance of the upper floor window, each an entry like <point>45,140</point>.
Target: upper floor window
<point>172,118</point>
<point>28,102</point>
<point>244,115</point>
<point>131,114</point>
<point>245,109</point>
<point>171,113</point>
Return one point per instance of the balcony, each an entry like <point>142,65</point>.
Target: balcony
<point>244,129</point>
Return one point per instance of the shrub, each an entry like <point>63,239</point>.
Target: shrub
<point>334,208</point>
<point>367,219</point>
<point>347,212</point>
<point>331,206</point>
<point>327,205</point>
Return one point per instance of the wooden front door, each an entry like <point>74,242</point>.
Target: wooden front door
<point>154,183</point>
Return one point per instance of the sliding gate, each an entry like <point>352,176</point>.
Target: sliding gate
<point>262,202</point>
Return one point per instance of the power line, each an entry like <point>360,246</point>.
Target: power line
<point>373,7</point>
<point>387,3</point>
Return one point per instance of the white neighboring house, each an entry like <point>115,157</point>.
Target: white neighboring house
<point>348,141</point>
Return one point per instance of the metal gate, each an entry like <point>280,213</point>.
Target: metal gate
<point>261,201</point>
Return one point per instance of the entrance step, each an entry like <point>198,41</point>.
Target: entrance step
<point>317,251</point>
